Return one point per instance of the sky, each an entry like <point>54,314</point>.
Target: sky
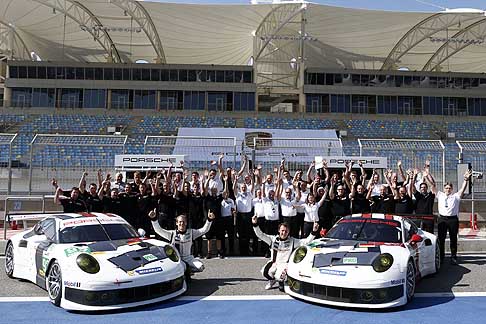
<point>394,5</point>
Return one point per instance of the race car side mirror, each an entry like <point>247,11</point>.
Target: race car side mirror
<point>141,232</point>
<point>38,229</point>
<point>416,238</point>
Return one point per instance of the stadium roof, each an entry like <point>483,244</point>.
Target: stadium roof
<point>126,31</point>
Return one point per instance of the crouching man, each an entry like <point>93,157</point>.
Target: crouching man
<point>182,239</point>
<point>281,247</point>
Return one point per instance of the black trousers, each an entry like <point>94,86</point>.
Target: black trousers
<point>227,226</point>
<point>245,231</point>
<point>450,224</point>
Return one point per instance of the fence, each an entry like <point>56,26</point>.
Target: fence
<point>411,152</point>
<point>198,151</point>
<point>298,152</point>
<point>6,141</point>
<point>474,152</point>
<point>66,157</point>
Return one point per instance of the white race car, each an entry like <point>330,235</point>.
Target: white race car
<point>364,261</point>
<point>94,262</point>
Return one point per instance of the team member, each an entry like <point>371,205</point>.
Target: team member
<point>448,205</point>
<point>182,239</point>
<point>424,200</point>
<point>71,204</point>
<point>282,246</point>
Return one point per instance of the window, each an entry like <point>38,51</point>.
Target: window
<point>117,74</point>
<point>340,103</point>
<point>144,99</point>
<point>164,75</point>
<point>13,72</point>
<point>432,105</point>
<point>244,101</point>
<point>71,98</point>
<point>94,98</point>
<point>98,73</point>
<point>42,97</point>
<point>145,74</point>
<point>41,72</point>
<point>32,72</point>
<point>21,97</point>
<point>22,72</point>
<point>220,101</point>
<point>155,75</point>
<point>89,74</point>
<point>51,72</point>
<point>121,99</point>
<point>194,100</point>
<point>183,75</point>
<point>108,74</point>
<point>171,100</point>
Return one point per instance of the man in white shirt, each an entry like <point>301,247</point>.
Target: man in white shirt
<point>448,205</point>
<point>228,212</point>
<point>244,201</point>
<point>258,211</point>
<point>289,212</point>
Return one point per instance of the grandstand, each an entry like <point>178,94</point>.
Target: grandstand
<point>148,68</point>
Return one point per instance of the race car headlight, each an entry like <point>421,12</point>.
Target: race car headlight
<point>383,262</point>
<point>300,254</point>
<point>171,253</point>
<point>88,263</point>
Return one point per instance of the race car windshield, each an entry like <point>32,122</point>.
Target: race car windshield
<point>365,229</point>
<point>97,232</point>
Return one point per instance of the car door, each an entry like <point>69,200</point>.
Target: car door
<point>44,236</point>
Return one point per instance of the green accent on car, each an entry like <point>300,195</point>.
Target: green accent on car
<point>76,249</point>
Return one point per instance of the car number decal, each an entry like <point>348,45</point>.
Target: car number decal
<point>333,272</point>
<point>350,260</point>
<point>149,270</point>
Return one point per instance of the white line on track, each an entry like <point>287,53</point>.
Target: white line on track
<point>255,297</point>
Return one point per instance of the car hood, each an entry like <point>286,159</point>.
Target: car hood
<point>331,252</point>
<point>124,254</point>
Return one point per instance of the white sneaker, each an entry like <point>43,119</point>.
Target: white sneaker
<point>271,284</point>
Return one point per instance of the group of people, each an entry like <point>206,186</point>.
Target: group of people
<point>274,208</point>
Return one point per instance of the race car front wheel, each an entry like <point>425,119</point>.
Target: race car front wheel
<point>410,280</point>
<point>54,283</point>
<point>9,260</point>
<point>437,258</point>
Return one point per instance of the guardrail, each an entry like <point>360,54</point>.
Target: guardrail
<point>24,216</point>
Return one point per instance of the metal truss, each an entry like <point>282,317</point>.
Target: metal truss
<point>471,35</point>
<point>423,30</point>
<point>12,46</point>
<point>278,45</point>
<point>87,21</point>
<point>143,19</point>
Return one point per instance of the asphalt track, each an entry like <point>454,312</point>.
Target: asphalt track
<point>231,291</point>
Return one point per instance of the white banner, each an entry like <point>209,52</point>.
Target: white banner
<point>339,162</point>
<point>147,161</point>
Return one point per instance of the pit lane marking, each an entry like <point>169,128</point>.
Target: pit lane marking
<point>255,297</point>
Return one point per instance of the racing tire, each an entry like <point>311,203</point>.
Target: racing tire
<point>9,260</point>
<point>437,261</point>
<point>54,283</point>
<point>410,281</point>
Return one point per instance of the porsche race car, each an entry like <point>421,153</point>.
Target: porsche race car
<point>364,261</point>
<point>94,261</point>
